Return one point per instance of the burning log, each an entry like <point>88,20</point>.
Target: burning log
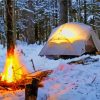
<point>26,79</point>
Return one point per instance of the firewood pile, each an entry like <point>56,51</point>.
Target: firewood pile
<point>40,75</point>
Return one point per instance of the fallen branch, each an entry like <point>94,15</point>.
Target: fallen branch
<point>85,61</point>
<point>93,80</point>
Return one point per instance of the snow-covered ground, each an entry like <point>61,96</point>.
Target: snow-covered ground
<point>67,82</point>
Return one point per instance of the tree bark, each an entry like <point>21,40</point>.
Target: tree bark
<point>10,27</point>
<point>85,12</point>
<point>31,90</point>
<point>63,13</point>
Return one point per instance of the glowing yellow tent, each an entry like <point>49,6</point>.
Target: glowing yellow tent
<point>70,39</point>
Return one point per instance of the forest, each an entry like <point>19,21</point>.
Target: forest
<point>35,19</point>
<point>49,49</point>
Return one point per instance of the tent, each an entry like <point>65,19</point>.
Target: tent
<point>71,39</point>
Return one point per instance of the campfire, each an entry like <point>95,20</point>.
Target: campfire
<point>15,76</point>
<point>14,71</point>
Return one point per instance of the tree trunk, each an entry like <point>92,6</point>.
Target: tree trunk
<point>63,13</point>
<point>69,10</point>
<point>10,27</point>
<point>85,12</point>
<point>36,32</point>
<point>31,90</point>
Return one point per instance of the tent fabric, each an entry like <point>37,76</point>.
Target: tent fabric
<point>96,40</point>
<point>70,39</point>
<point>64,49</point>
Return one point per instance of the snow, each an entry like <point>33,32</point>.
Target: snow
<point>90,17</point>
<point>73,82</point>
<point>67,82</point>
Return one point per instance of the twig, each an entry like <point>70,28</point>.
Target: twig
<point>93,80</point>
<point>4,88</point>
<point>22,52</point>
<point>33,64</point>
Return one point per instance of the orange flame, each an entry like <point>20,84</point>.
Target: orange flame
<point>13,70</point>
